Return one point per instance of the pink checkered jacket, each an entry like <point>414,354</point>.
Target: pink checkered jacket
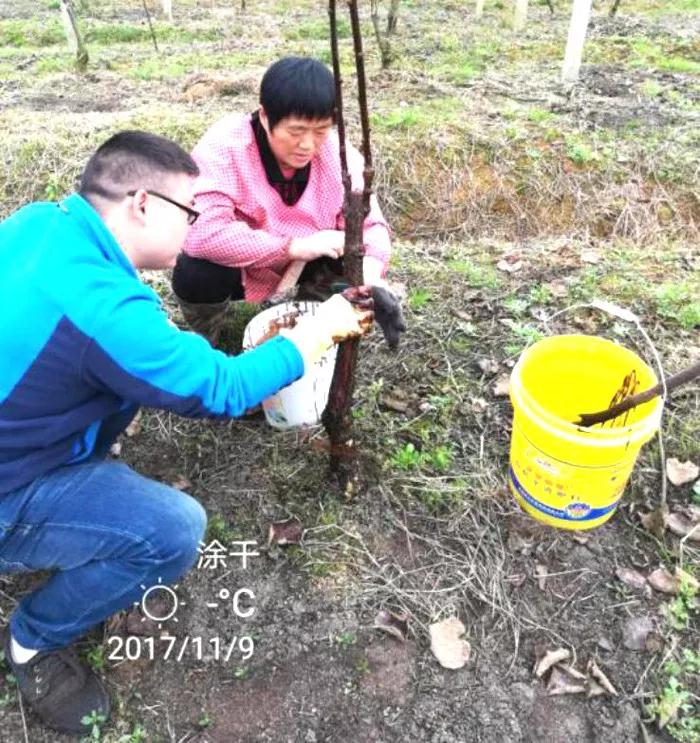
<point>245,223</point>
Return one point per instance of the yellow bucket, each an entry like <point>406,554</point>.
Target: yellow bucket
<point>560,473</point>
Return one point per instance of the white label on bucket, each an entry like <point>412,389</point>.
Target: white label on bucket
<point>546,465</point>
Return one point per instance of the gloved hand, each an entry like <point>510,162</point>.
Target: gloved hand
<point>387,313</point>
<point>337,319</point>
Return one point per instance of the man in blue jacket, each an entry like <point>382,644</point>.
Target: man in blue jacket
<point>84,343</point>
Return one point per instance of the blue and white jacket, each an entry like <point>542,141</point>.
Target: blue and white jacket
<point>83,343</point>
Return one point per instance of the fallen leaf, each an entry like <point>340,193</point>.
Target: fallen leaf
<point>591,256</point>
<point>488,366</point>
<point>509,265</point>
<point>563,681</point>
<point>663,581</point>
<point>541,573</point>
<point>502,386</point>
<point>581,537</point>
<point>549,659</point>
<point>594,689</point>
<point>479,404</point>
<point>394,624</point>
<point>653,642</point>
<point>446,643</point>
<point>632,578</point>
<point>680,473</point>
<point>683,526</point>
<point>396,401</point>
<point>635,631</point>
<point>135,426</point>
<point>605,644</point>
<point>461,315</point>
<point>285,532</point>
<point>600,677</point>
<point>655,521</point>
<point>181,483</point>
<point>558,288</point>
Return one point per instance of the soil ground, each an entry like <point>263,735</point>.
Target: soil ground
<point>484,159</point>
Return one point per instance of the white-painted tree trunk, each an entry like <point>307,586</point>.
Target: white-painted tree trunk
<point>479,8</point>
<point>520,15</point>
<point>70,27</point>
<point>168,9</point>
<point>580,15</point>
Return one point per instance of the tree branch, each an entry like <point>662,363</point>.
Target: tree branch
<point>590,419</point>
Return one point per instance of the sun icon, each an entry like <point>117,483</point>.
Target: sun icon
<point>159,603</point>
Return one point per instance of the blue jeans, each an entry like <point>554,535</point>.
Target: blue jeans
<point>106,532</point>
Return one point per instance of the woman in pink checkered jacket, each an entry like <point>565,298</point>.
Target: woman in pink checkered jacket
<point>270,196</point>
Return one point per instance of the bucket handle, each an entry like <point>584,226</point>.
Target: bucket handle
<point>622,313</point>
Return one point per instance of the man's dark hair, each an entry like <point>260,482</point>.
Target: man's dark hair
<point>297,86</point>
<point>131,160</point>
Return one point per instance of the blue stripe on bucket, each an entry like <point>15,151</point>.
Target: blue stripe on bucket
<point>593,513</point>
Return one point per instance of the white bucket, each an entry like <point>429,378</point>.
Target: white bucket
<point>302,402</point>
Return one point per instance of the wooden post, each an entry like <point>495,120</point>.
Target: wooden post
<point>580,15</point>
<point>520,16</point>
<point>75,41</point>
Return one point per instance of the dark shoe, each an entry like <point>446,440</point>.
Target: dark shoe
<point>59,688</point>
<point>205,318</point>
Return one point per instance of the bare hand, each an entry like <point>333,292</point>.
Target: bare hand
<point>329,243</point>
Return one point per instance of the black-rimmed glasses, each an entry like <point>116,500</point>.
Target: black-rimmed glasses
<point>192,214</point>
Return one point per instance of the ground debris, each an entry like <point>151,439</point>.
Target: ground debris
<point>285,532</point>
<point>447,644</point>
<point>680,473</point>
<point>655,521</point>
<point>685,523</point>
<point>632,578</point>
<point>550,658</point>
<point>501,386</point>
<point>394,624</point>
<point>638,633</point>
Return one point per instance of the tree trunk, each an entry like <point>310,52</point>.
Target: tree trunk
<point>393,17</point>
<point>382,41</point>
<point>520,16</point>
<point>479,8</point>
<point>336,416</point>
<point>168,9</point>
<point>75,41</point>
<point>614,8</point>
<point>580,14</point>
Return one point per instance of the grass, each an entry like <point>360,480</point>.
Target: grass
<point>38,34</point>
<point>679,302</point>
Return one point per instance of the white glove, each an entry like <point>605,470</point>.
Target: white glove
<point>335,320</point>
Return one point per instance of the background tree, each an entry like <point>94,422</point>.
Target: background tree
<point>384,36</point>
<point>75,40</point>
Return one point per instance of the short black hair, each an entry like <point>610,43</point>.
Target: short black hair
<point>297,86</point>
<point>131,160</point>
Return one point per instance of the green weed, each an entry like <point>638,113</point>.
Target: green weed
<point>538,115</point>
<point>95,721</point>
<point>478,276</point>
<point>20,33</point>
<point>346,639</point>
<point>418,298</point>
<point>683,604</point>
<point>676,302</point>
<point>579,153</point>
